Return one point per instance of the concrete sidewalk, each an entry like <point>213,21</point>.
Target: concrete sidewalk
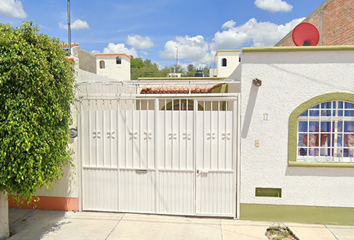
<point>58,225</point>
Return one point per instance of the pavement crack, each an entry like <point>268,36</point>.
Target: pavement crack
<point>331,232</point>
<point>114,227</point>
<point>222,237</point>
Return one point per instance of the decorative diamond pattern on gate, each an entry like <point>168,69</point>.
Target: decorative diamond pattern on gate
<point>172,136</point>
<point>147,135</point>
<point>226,136</point>
<point>210,136</point>
<point>96,134</point>
<point>111,135</point>
<point>133,135</point>
<point>187,136</point>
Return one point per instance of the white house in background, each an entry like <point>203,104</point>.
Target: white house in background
<point>226,63</point>
<point>113,65</point>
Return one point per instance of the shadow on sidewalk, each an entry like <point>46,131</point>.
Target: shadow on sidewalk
<point>33,224</point>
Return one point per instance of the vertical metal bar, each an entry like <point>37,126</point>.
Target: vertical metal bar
<point>140,134</point>
<point>157,179</point>
<point>211,133</point>
<point>133,133</point>
<point>165,137</point>
<point>186,142</point>
<point>179,135</point>
<point>335,152</point>
<point>172,134</point>
<point>118,158</point>
<point>111,133</point>
<point>218,138</point>
<point>195,106</point>
<point>147,134</point>
<point>96,129</point>
<point>204,134</point>
<point>125,133</point>
<point>104,128</point>
<point>80,152</point>
<point>236,163</point>
<point>89,130</point>
<point>225,128</point>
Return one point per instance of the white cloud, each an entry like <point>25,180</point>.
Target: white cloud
<point>273,5</point>
<point>12,8</point>
<point>255,33</point>
<point>252,33</point>
<point>139,42</point>
<point>120,48</point>
<point>194,49</point>
<point>78,24</point>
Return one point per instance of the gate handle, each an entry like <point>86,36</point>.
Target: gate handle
<point>201,172</point>
<point>140,171</point>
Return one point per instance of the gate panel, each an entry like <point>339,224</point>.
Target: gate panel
<point>137,191</point>
<point>176,192</point>
<point>176,162</point>
<point>215,164</point>
<point>100,189</point>
<point>136,138</point>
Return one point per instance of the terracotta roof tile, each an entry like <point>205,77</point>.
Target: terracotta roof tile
<point>177,90</point>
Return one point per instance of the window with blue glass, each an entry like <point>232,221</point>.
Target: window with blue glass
<point>326,132</point>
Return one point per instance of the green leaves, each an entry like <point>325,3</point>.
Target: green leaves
<point>36,91</point>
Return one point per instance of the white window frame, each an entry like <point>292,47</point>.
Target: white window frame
<point>333,149</point>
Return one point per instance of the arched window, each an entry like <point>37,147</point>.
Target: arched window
<point>224,62</point>
<point>323,129</point>
<point>183,105</point>
<point>119,60</point>
<point>102,64</point>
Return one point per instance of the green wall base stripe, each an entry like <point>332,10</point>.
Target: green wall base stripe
<point>301,214</point>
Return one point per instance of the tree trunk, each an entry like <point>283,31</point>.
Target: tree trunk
<point>4,216</point>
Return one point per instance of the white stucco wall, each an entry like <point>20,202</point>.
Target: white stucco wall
<point>232,58</point>
<point>119,72</point>
<point>289,79</point>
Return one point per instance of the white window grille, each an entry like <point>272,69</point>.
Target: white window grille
<point>325,133</point>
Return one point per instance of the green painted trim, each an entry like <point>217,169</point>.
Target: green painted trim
<point>182,78</point>
<point>301,214</point>
<point>268,192</point>
<point>321,164</point>
<point>292,141</point>
<point>298,49</point>
<point>221,89</point>
<point>234,50</point>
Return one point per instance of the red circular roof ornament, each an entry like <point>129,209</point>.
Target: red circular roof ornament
<point>306,34</point>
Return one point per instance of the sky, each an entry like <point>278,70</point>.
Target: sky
<point>163,30</point>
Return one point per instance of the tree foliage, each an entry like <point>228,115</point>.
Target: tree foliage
<point>145,68</point>
<point>36,91</point>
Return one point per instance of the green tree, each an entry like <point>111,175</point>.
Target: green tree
<point>36,92</point>
<point>143,68</point>
<point>191,70</point>
<point>206,71</point>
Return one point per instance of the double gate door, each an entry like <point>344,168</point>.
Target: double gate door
<point>139,155</point>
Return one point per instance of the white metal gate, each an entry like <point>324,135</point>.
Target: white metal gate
<point>151,155</point>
